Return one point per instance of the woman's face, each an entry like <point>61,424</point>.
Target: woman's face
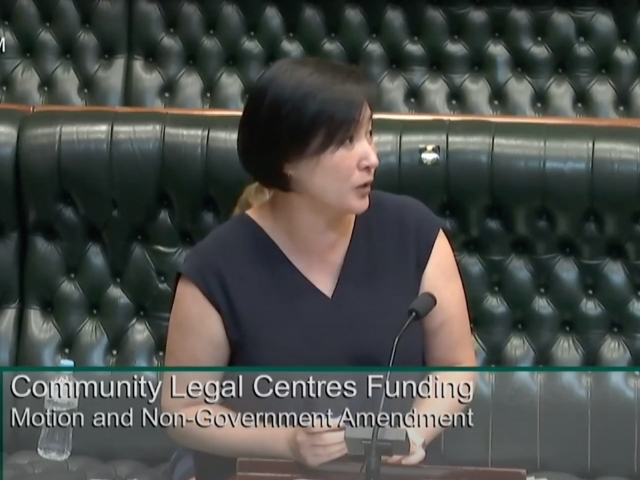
<point>340,178</point>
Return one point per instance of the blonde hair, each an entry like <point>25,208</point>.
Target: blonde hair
<point>251,196</point>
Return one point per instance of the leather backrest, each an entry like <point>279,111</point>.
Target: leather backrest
<point>519,58</point>
<point>543,218</point>
<point>575,422</point>
<point>544,222</point>
<point>10,236</point>
<point>11,248</point>
<point>113,201</point>
<point>64,52</point>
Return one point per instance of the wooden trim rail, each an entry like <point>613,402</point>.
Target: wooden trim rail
<point>605,122</point>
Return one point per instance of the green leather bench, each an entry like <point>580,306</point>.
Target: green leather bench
<point>99,208</point>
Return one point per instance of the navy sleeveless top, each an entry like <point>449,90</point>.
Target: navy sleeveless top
<point>275,317</point>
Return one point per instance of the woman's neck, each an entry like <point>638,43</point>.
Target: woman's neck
<point>310,226</point>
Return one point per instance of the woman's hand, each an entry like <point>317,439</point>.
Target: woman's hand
<point>415,455</point>
<point>315,445</point>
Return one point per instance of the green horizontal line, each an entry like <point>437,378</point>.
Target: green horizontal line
<point>498,369</point>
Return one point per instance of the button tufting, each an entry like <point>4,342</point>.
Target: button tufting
<point>525,247</point>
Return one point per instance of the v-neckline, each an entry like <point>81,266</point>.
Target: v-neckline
<point>297,272</point>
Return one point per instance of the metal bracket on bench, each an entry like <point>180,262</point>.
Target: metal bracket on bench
<point>429,154</point>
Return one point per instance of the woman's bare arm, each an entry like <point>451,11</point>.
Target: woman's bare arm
<point>197,337</point>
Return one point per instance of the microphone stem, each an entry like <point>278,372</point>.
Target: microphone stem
<point>373,458</point>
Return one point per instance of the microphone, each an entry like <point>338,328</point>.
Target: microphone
<point>419,308</point>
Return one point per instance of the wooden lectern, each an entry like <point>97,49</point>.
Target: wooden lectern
<point>254,469</point>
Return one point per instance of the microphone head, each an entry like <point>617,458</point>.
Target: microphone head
<point>422,305</point>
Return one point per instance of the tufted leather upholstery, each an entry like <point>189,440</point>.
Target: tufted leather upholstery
<point>556,58</point>
<point>10,235</point>
<point>112,203</point>
<point>527,58</point>
<point>544,220</point>
<point>581,423</point>
<point>114,200</point>
<point>63,52</point>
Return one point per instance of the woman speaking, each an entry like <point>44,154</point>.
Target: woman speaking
<point>321,273</point>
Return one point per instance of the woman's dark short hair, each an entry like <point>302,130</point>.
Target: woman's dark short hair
<point>300,107</point>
